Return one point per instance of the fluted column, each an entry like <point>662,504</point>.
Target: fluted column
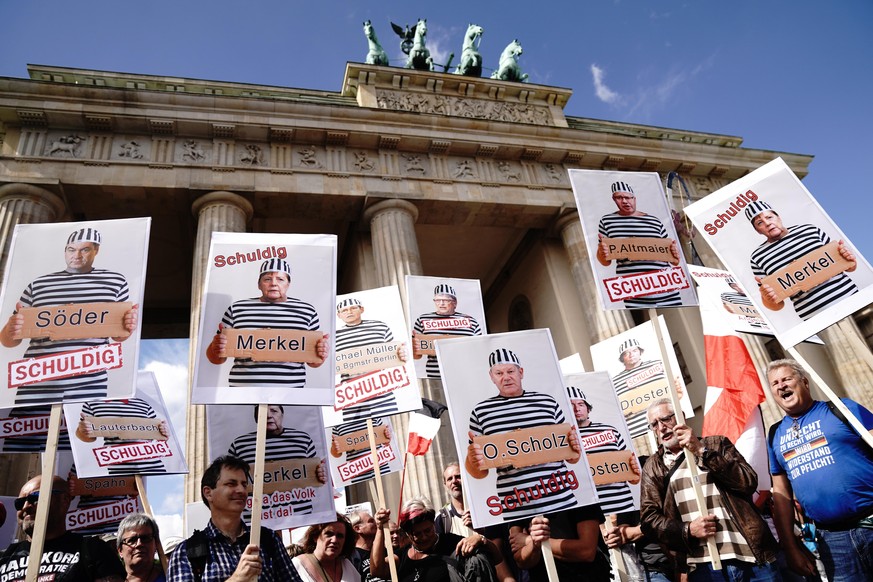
<point>215,212</point>
<point>601,324</point>
<point>21,204</point>
<point>851,358</point>
<point>396,254</point>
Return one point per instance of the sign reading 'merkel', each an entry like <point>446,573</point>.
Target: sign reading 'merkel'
<point>808,271</point>
<point>289,475</point>
<point>272,345</point>
<point>76,321</point>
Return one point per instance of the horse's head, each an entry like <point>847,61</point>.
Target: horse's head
<point>514,48</point>
<point>474,31</point>
<point>421,27</point>
<point>368,28</point>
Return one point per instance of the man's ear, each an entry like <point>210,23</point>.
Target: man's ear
<point>207,493</point>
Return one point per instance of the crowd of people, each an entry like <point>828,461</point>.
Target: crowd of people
<point>667,539</point>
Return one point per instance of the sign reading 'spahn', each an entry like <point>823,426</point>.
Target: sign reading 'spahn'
<point>266,324</point>
<point>801,271</point>
<point>633,247</point>
<point>350,458</point>
<point>69,311</point>
<point>513,427</point>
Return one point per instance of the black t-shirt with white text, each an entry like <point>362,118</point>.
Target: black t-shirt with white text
<point>63,560</point>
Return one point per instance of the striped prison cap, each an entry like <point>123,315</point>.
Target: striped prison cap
<point>443,289</point>
<point>350,302</point>
<point>503,356</point>
<point>622,187</point>
<point>85,235</point>
<point>756,208</point>
<point>575,393</point>
<point>626,345</point>
<point>276,266</point>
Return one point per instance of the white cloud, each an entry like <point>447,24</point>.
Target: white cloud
<point>603,92</point>
<point>173,382</point>
<point>171,526</point>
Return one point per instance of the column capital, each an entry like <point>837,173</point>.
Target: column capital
<point>568,219</point>
<point>35,194</point>
<point>393,204</point>
<point>223,197</point>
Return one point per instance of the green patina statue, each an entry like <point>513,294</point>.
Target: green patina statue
<point>376,55</point>
<point>471,60</point>
<point>508,70</point>
<point>418,54</point>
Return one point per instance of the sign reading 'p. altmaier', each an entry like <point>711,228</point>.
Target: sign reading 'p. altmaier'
<point>801,271</point>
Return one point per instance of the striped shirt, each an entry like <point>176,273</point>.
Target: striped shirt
<point>354,426</point>
<point>256,314</point>
<point>637,423</point>
<point>135,408</point>
<point>730,542</point>
<point>290,444</point>
<point>465,325</point>
<point>614,497</point>
<point>34,443</point>
<point>366,333</point>
<point>752,316</point>
<point>60,288</point>
<point>647,226</point>
<point>800,240</point>
<point>500,414</point>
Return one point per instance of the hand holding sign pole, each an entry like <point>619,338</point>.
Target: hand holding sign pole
<point>680,419</point>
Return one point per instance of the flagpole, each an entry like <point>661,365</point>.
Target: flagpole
<point>691,461</point>
<point>380,491</point>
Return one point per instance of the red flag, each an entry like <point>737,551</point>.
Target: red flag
<point>422,430</point>
<point>729,368</point>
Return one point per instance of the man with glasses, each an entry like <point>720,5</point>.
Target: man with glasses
<point>669,510</point>
<point>444,320</point>
<point>137,541</point>
<point>66,555</point>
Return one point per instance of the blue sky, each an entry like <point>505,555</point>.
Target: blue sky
<point>784,75</point>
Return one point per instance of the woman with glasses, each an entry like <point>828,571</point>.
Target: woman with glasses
<point>326,551</point>
<point>137,542</point>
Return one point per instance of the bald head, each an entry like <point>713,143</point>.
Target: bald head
<point>60,504</point>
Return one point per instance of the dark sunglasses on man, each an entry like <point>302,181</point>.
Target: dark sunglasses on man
<point>32,498</point>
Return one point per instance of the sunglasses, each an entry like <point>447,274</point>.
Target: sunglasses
<point>31,498</point>
<point>142,538</point>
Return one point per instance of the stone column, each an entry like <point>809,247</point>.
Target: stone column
<point>850,356</point>
<point>215,212</point>
<point>21,204</point>
<point>601,324</point>
<point>396,254</point>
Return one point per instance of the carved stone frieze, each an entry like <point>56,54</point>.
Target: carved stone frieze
<point>464,107</point>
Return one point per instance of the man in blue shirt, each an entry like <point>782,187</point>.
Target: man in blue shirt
<point>817,457</point>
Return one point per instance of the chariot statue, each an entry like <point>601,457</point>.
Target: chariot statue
<point>508,69</point>
<point>417,52</point>
<point>376,54</point>
<point>471,60</point>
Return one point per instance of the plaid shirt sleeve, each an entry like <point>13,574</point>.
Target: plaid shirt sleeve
<point>180,568</point>
<point>277,561</point>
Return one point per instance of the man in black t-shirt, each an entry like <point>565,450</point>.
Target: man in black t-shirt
<point>66,556</point>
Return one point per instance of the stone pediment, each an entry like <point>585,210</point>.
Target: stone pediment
<point>396,89</point>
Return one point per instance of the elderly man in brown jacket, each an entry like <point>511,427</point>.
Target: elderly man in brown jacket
<point>669,511</point>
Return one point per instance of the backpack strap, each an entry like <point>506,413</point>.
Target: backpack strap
<point>197,548</point>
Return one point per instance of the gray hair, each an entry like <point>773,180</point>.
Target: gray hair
<point>659,402</point>
<point>786,363</point>
<point>355,517</point>
<point>421,502</point>
<point>133,521</point>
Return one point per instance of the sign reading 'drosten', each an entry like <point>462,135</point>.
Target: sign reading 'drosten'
<point>611,467</point>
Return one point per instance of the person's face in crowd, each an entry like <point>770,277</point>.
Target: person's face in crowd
<point>452,482</point>
<point>790,390</point>
<point>274,420</point>
<point>351,315</point>
<point>423,535</point>
<point>507,378</point>
<point>60,503</point>
<point>580,411</point>
<point>662,421</point>
<point>770,225</point>
<point>399,539</point>
<point>626,203</point>
<point>138,548</point>
<point>367,526</point>
<point>274,286</point>
<point>631,358</point>
<point>80,256</point>
<point>331,540</point>
<point>445,304</point>
<point>230,492</point>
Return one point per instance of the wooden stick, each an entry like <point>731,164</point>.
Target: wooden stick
<point>140,487</point>
<point>37,540</point>
<point>549,561</point>
<point>615,553</point>
<point>856,424</point>
<point>258,474</point>
<point>691,461</point>
<point>380,491</point>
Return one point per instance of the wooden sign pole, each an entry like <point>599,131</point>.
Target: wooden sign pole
<point>140,487</point>
<point>380,490</point>
<point>549,561</point>
<point>856,424</point>
<point>258,474</point>
<point>615,553</point>
<point>37,540</point>
<point>691,461</point>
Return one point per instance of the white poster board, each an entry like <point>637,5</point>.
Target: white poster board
<point>525,428</point>
<point>632,242</point>
<point>789,245</point>
<point>51,351</point>
<point>350,459</point>
<point>278,325</point>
